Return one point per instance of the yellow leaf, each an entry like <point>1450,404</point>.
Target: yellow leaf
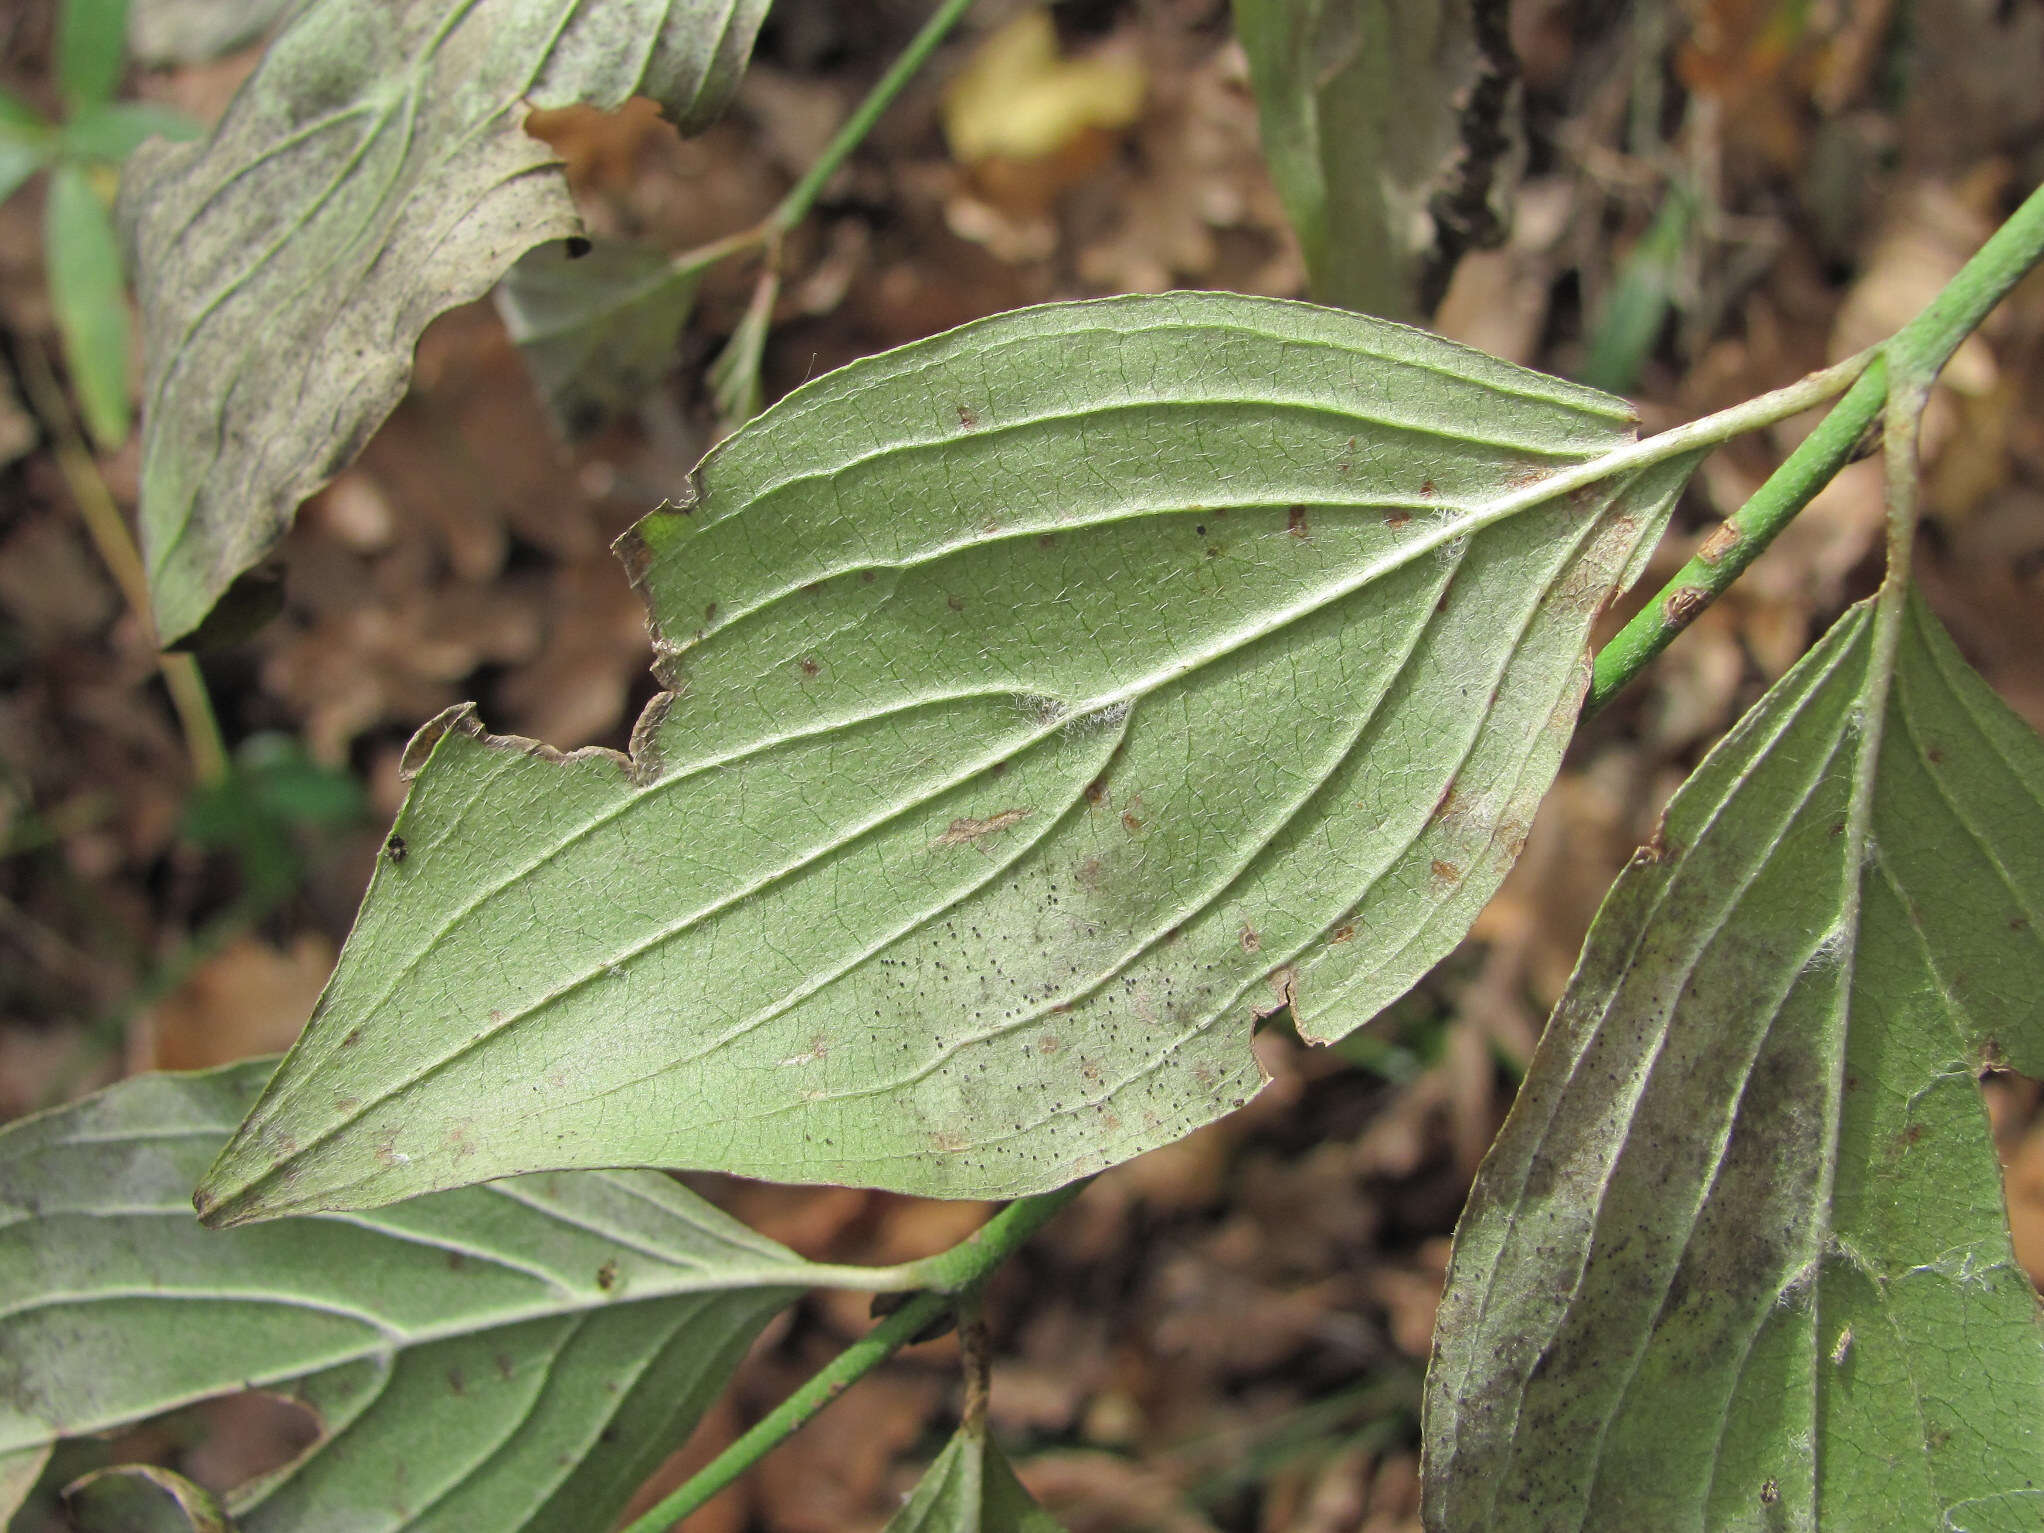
<point>1017,99</point>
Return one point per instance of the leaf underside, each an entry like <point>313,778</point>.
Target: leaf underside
<point>971,1489</point>
<point>598,331</point>
<point>1050,699</point>
<point>517,1356</point>
<point>373,173</point>
<point>1739,1259</point>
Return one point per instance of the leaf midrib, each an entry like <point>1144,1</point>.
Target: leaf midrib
<point>1423,543</point>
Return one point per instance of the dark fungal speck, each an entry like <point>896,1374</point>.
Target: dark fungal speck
<point>395,849</point>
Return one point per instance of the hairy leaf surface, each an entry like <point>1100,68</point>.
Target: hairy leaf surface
<point>515,1356</point>
<point>971,1489</point>
<point>1739,1258</point>
<point>373,173</point>
<point>1049,699</point>
<point>1357,104</point>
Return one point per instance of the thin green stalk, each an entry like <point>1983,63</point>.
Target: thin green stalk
<point>802,196</point>
<point>1899,380</point>
<point>950,1276</point>
<point>109,532</point>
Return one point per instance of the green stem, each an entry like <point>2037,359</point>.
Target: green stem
<point>1920,349</point>
<point>950,1276</point>
<point>1898,380</point>
<point>1740,539</point>
<point>802,196</point>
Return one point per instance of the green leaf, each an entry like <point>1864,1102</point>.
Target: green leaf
<point>26,143</point>
<point>1357,102</point>
<point>1739,1259</point>
<point>140,1498</point>
<point>516,1356</point>
<point>114,131</point>
<point>1051,698</point>
<point>1634,312</point>
<point>372,173</point>
<point>90,297</point>
<point>598,330</point>
<point>91,43</point>
<point>971,1489</point>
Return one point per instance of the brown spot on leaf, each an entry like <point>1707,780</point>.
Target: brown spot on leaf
<point>968,417</point>
<point>1087,874</point>
<point>395,849</point>
<point>1526,478</point>
<point>1342,934</point>
<point>966,829</point>
<point>1936,755</point>
<point>1445,872</point>
<point>867,577</point>
<point>955,603</point>
<point>2019,923</point>
<point>1096,791</point>
<point>1722,540</point>
<point>1445,804</point>
<point>1132,816</point>
<point>1251,941</point>
<point>1295,522</point>
<point>808,665</point>
<point>1047,540</point>
<point>354,1037</point>
<point>606,1276</point>
<point>456,1261</point>
<point>710,612</point>
<point>1397,519</point>
<point>1048,1045</point>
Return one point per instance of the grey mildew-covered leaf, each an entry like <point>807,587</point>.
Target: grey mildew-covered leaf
<point>168,32</point>
<point>1357,100</point>
<point>373,173</point>
<point>516,1356</point>
<point>971,1489</point>
<point>1738,1259</point>
<point>1048,700</point>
